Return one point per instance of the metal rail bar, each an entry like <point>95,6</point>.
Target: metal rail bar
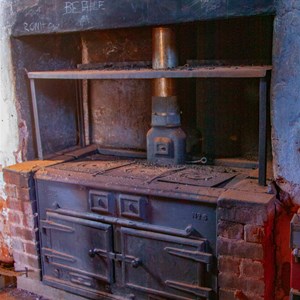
<point>36,120</point>
<point>80,114</point>
<point>262,152</point>
<point>187,232</point>
<point>203,72</point>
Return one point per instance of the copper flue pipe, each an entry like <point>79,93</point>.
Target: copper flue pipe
<point>164,87</point>
<point>164,56</point>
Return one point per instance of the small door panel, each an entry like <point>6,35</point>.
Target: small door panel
<point>163,265</point>
<point>78,245</point>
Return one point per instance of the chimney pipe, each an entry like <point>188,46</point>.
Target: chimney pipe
<point>165,140</point>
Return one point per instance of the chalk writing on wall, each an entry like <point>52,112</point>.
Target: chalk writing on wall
<point>40,26</point>
<point>83,7</point>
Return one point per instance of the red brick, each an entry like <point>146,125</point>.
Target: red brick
<point>254,234</point>
<point>15,217</point>
<point>252,268</point>
<point>231,230</point>
<point>239,248</point>
<point>22,258</point>
<point>229,294</point>
<point>229,264</point>
<point>29,208</point>
<point>243,214</point>
<point>14,204</point>
<point>25,194</point>
<point>23,233</point>
<point>226,294</point>
<point>18,245</point>
<point>17,178</point>
<point>11,190</point>
<point>31,248</point>
<point>243,284</point>
<point>28,247</point>
<point>30,221</point>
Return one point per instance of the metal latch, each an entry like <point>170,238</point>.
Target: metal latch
<point>135,262</point>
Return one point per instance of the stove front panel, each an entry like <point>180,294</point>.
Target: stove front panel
<point>123,244</point>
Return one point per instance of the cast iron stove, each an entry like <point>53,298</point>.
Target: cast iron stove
<point>122,228</point>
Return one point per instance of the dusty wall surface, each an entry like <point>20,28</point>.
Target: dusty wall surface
<point>285,97</point>
<point>9,137</point>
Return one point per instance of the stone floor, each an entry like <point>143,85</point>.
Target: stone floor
<point>17,294</point>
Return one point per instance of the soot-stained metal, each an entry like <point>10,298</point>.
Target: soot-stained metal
<point>124,213</point>
<point>166,141</point>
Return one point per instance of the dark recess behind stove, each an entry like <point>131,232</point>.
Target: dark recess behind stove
<point>229,126</point>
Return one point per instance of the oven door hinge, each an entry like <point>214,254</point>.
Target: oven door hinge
<point>52,255</point>
<point>50,225</point>
<point>193,255</point>
<point>193,289</point>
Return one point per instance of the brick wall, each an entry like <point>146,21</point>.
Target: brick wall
<point>245,245</point>
<point>22,210</point>
<point>22,215</point>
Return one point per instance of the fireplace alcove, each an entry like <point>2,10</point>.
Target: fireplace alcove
<point>220,118</point>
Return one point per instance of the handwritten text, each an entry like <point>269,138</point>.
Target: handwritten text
<point>40,26</point>
<point>81,7</point>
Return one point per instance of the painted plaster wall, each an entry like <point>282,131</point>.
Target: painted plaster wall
<point>9,140</point>
<point>286,97</point>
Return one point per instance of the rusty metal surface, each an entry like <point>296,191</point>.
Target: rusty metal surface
<point>58,123</point>
<point>121,113</point>
<point>142,171</point>
<point>115,65</point>
<point>138,176</point>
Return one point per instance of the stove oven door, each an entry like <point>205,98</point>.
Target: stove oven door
<point>164,266</point>
<point>75,252</point>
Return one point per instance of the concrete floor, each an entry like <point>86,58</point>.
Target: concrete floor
<point>17,294</point>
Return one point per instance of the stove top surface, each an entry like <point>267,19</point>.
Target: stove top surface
<point>140,170</point>
<point>125,171</point>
